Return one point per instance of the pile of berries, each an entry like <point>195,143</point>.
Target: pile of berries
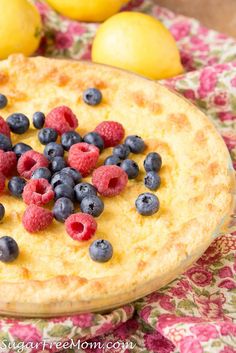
<point>41,179</point>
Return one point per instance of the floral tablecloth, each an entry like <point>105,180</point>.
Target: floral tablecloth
<point>197,312</point>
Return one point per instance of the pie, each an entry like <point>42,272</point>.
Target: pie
<point>54,274</point>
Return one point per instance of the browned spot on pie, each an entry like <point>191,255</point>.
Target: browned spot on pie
<point>155,107</point>
<point>211,207</point>
<point>25,273</point>
<point>63,281</point>
<point>140,249</point>
<point>81,85</point>
<point>141,265</point>
<point>48,74</point>
<point>200,137</point>
<point>214,168</point>
<point>97,285</point>
<point>152,144</point>
<point>194,200</point>
<point>219,189</point>
<point>92,82</point>
<point>4,77</point>
<point>180,122</point>
<point>52,73</point>
<point>62,80</point>
<point>157,145</point>
<point>140,100</point>
<point>181,247</point>
<point>100,84</point>
<point>18,96</point>
<point>194,179</point>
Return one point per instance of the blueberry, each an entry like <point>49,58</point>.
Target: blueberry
<point>93,138</point>
<point>92,96</point>
<point>92,205</point>
<point>53,150</point>
<point>70,138</point>
<point>57,164</point>
<point>75,175</point>
<point>38,120</point>
<point>42,173</point>
<point>62,209</point>
<point>83,190</point>
<point>5,143</point>
<point>112,160</point>
<point>16,186</point>
<point>147,204</point>
<point>135,143</point>
<point>47,135</point>
<point>152,162</point>
<point>131,168</point>
<point>2,211</point>
<point>9,250</point>
<point>62,178</point>
<point>152,181</point>
<point>18,123</point>
<point>121,151</point>
<point>3,101</point>
<point>20,148</point>
<point>64,190</point>
<point>101,250</point>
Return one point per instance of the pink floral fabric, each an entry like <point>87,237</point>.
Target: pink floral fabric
<point>196,313</point>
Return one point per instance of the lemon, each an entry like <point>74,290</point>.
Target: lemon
<point>87,10</point>
<point>20,27</point>
<point>139,43</point>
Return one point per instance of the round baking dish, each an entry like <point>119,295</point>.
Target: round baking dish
<point>130,293</point>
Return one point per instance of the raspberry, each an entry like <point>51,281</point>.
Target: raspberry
<point>61,119</point>
<point>83,157</point>
<point>8,162</point>
<point>29,162</point>
<point>36,218</point>
<point>109,180</point>
<point>81,226</point>
<point>111,132</point>
<point>2,182</point>
<point>4,128</point>
<point>37,192</point>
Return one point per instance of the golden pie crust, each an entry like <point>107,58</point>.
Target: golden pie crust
<point>53,273</point>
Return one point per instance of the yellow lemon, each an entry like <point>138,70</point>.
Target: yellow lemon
<point>87,10</point>
<point>139,43</point>
<point>20,27</point>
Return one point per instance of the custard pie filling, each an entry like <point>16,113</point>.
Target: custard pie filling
<point>194,194</point>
